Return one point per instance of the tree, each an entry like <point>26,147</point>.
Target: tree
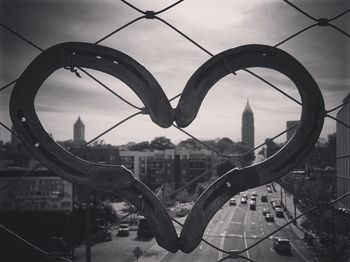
<point>271,147</point>
<point>243,149</point>
<point>224,168</point>
<point>191,144</point>
<point>161,143</point>
<point>225,145</point>
<point>142,146</point>
<point>324,153</point>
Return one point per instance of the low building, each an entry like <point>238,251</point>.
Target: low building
<point>169,166</point>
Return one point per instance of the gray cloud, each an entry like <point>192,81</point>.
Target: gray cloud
<point>172,59</point>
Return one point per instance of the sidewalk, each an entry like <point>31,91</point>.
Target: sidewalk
<point>157,253</point>
<point>298,230</point>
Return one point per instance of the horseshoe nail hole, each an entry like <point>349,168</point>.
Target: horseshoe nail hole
<point>37,144</point>
<point>98,57</point>
<point>115,62</point>
<point>23,119</point>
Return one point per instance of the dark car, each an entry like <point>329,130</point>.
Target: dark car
<point>265,211</point>
<point>279,212</point>
<point>282,245</point>
<point>144,229</point>
<point>232,202</point>
<point>252,205</point>
<point>269,217</point>
<point>263,198</point>
<point>123,230</point>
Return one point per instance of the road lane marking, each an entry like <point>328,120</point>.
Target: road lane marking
<point>293,246</point>
<point>245,244</point>
<point>253,236</point>
<point>245,219</point>
<point>201,247</point>
<point>236,222</point>
<point>222,242</point>
<point>234,235</point>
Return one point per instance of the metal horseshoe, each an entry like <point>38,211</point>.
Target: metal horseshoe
<point>278,165</point>
<point>116,179</point>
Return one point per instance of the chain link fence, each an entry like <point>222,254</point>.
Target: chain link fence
<point>155,16</point>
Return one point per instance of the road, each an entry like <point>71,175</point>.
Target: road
<point>238,227</point>
<point>232,228</point>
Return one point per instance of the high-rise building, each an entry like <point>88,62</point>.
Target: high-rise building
<point>343,153</point>
<point>291,132</point>
<point>248,126</point>
<point>79,132</point>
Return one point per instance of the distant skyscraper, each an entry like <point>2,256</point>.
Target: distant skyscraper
<point>291,132</point>
<point>79,132</point>
<point>248,126</point>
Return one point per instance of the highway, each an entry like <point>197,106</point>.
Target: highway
<point>238,227</point>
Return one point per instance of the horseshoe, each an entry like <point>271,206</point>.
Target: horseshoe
<point>105,177</point>
<point>120,180</point>
<point>275,167</point>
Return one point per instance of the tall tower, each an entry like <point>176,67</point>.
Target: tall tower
<point>79,132</point>
<point>248,126</point>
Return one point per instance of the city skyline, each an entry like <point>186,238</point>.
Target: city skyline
<point>172,60</point>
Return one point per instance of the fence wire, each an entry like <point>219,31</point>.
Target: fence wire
<point>321,22</point>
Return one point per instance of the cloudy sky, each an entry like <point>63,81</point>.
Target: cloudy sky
<point>216,25</point>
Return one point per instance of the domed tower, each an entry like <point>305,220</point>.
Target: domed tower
<point>248,126</point>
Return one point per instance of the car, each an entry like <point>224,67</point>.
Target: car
<point>279,212</point>
<point>282,245</point>
<point>269,217</point>
<point>265,211</point>
<point>254,194</point>
<point>243,200</point>
<point>276,204</point>
<point>253,198</point>
<point>245,195</point>
<point>123,230</point>
<point>263,198</point>
<point>144,229</point>
<point>269,190</point>
<point>232,202</point>
<point>252,205</point>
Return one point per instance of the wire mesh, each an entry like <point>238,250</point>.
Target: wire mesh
<point>317,22</point>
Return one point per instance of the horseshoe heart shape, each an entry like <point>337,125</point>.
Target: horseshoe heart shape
<point>121,181</point>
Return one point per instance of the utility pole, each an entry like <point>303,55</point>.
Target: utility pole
<point>88,229</point>
<point>333,238</point>
<point>281,195</point>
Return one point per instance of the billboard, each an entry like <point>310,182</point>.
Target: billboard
<point>36,193</point>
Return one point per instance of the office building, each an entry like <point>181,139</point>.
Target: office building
<point>79,132</point>
<point>343,153</point>
<point>248,126</point>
